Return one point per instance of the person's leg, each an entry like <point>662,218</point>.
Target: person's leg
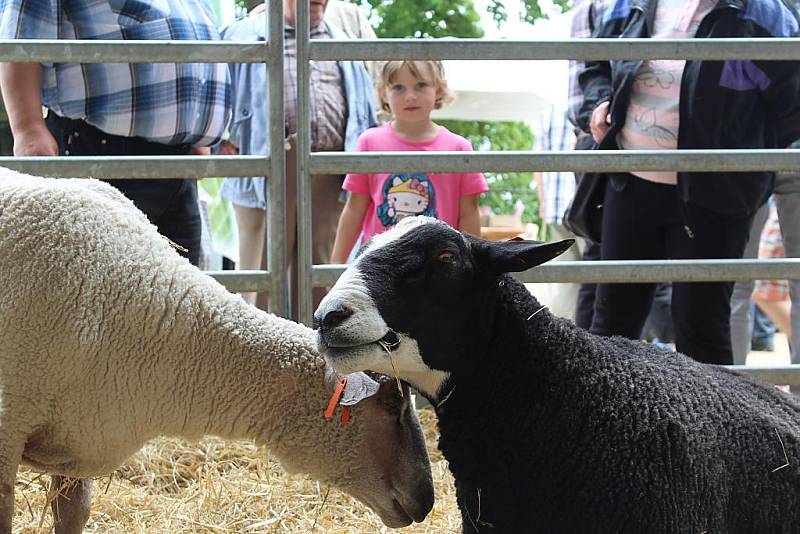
<point>787,200</point>
<point>632,229</point>
<point>701,310</point>
<point>565,296</point>
<point>291,225</point>
<point>741,303</point>
<point>180,220</point>
<point>763,331</point>
<point>326,198</point>
<point>778,312</point>
<point>584,308</point>
<point>206,262</point>
<point>658,326</point>
<point>252,226</point>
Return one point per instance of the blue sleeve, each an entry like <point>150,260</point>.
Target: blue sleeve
<point>28,19</point>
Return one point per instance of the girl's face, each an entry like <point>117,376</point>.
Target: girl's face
<point>411,99</point>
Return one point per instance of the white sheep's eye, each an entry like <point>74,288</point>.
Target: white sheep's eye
<point>447,257</point>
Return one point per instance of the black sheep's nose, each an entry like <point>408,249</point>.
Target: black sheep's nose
<point>336,317</point>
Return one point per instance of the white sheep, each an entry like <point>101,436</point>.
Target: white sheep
<point>108,338</point>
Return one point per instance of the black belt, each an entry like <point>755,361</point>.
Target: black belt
<point>101,143</point>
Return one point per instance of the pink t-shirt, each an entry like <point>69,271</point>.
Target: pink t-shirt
<point>400,194</point>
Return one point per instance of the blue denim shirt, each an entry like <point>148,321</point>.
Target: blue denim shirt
<point>249,129</point>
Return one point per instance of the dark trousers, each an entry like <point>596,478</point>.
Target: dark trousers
<point>642,220</point>
<point>171,205</point>
<point>584,309</point>
<point>658,325</point>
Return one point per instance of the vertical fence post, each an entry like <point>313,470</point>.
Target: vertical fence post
<point>304,238</point>
<point>275,236</point>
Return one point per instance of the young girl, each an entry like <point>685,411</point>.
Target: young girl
<point>409,91</point>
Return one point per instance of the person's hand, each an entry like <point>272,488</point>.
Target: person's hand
<point>200,151</point>
<point>36,141</point>
<point>226,148</point>
<point>600,121</point>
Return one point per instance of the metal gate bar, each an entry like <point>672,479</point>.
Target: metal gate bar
<point>580,49</point>
<point>274,279</point>
<point>275,236</point>
<point>121,51</point>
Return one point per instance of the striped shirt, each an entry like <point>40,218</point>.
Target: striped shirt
<point>587,17</point>
<point>174,104</point>
<point>327,99</point>
<point>556,134</point>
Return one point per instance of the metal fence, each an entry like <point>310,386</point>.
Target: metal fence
<point>274,279</point>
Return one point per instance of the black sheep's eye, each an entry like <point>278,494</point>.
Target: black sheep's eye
<point>447,257</point>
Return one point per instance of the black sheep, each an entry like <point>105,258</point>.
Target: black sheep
<point>546,427</point>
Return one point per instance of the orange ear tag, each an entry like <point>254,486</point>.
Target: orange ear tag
<point>345,415</point>
<point>337,394</point>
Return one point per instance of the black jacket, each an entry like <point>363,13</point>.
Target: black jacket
<point>723,104</point>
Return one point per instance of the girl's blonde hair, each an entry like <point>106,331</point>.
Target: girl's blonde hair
<point>436,69</point>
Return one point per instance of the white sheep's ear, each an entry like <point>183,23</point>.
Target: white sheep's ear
<point>359,386</point>
<point>517,255</point>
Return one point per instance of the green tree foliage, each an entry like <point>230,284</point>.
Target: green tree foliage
<point>438,18</point>
<point>531,13</point>
<point>504,188</point>
<point>423,18</point>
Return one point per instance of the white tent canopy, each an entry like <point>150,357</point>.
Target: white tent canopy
<point>494,90</point>
<point>503,90</point>
<point>509,90</point>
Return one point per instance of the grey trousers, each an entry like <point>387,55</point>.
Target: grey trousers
<point>326,206</point>
<point>787,201</point>
<point>566,294</point>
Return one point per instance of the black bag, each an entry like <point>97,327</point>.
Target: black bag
<point>584,215</point>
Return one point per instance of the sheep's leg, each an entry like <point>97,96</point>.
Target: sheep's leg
<point>71,504</point>
<point>6,505</point>
<point>10,457</point>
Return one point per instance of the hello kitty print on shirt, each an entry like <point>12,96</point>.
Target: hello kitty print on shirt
<point>406,195</point>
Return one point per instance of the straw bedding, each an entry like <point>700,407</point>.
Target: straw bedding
<point>216,486</point>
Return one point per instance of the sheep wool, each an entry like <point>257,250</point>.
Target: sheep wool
<point>109,338</point>
<point>558,430</point>
<point>546,427</point>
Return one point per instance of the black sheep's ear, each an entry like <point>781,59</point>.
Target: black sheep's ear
<point>518,254</point>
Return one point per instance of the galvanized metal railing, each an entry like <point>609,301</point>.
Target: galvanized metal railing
<point>304,234</point>
<point>607,161</point>
<point>274,279</point>
<point>581,161</point>
<point>155,51</point>
<point>275,246</point>
<point>579,49</point>
<point>611,161</point>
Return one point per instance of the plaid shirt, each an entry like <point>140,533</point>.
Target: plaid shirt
<point>555,133</point>
<point>587,16</point>
<point>174,104</point>
<point>327,99</point>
